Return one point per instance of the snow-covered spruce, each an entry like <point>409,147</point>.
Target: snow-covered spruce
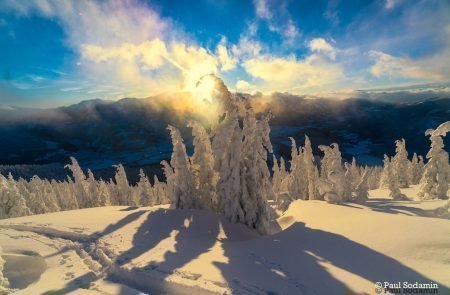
<point>180,179</point>
<point>202,166</point>
<point>12,203</point>
<point>38,196</point>
<point>415,169</point>
<point>333,173</point>
<point>435,181</point>
<point>400,163</point>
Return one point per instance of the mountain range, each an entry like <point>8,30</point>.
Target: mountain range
<point>101,133</point>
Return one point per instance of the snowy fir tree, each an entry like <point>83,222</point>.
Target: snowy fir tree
<point>332,170</point>
<point>92,190</point>
<point>374,174</point>
<point>276,178</point>
<point>125,194</point>
<point>415,169</point>
<point>280,176</point>
<point>145,190</point>
<point>12,203</point>
<point>255,184</point>
<point>160,191</point>
<point>311,171</point>
<point>227,148</point>
<point>393,183</point>
<point>384,178</point>
<point>202,166</point>
<point>179,174</point>
<point>361,190</point>
<point>354,175</point>
<point>81,184</point>
<point>435,181</point>
<point>104,195</point>
<point>400,163</point>
<point>297,186</point>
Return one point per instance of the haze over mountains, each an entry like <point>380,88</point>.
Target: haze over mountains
<point>132,131</point>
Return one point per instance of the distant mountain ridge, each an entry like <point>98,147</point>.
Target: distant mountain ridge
<point>133,131</point>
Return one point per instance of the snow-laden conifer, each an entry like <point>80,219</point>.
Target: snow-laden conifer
<point>435,180</point>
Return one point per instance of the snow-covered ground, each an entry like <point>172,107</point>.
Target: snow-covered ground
<point>319,248</point>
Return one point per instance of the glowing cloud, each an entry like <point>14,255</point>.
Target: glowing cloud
<point>320,45</point>
<point>292,74</point>
<point>431,69</point>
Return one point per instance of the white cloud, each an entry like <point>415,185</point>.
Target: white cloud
<point>150,53</point>
<point>291,32</point>
<point>427,69</point>
<point>227,61</point>
<point>278,19</point>
<point>134,61</point>
<point>322,46</point>
<point>262,9</point>
<point>128,44</point>
<point>105,23</point>
<point>289,73</point>
<point>243,85</point>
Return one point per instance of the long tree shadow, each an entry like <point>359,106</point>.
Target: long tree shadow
<point>194,234</point>
<point>93,238</point>
<point>396,207</point>
<point>194,231</point>
<point>119,224</point>
<point>293,262</point>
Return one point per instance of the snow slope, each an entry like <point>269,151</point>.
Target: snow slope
<point>319,249</point>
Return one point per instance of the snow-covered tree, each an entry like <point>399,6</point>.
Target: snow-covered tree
<point>361,190</point>
<point>298,185</point>
<point>160,191</point>
<point>12,203</point>
<point>145,190</point>
<point>311,171</point>
<point>64,193</point>
<point>255,177</point>
<point>81,186</point>
<point>436,177</point>
<point>276,178</point>
<point>392,180</point>
<point>384,178</point>
<point>332,170</point>
<point>400,163</point>
<point>352,174</point>
<point>92,190</point>
<point>280,176</point>
<point>41,198</point>
<point>227,149</point>
<point>182,185</point>
<point>415,169</point>
<point>104,194</point>
<point>373,178</point>
<point>126,195</point>
<point>202,166</point>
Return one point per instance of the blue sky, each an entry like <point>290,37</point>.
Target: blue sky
<point>60,52</point>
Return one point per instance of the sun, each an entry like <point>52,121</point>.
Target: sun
<point>203,89</point>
